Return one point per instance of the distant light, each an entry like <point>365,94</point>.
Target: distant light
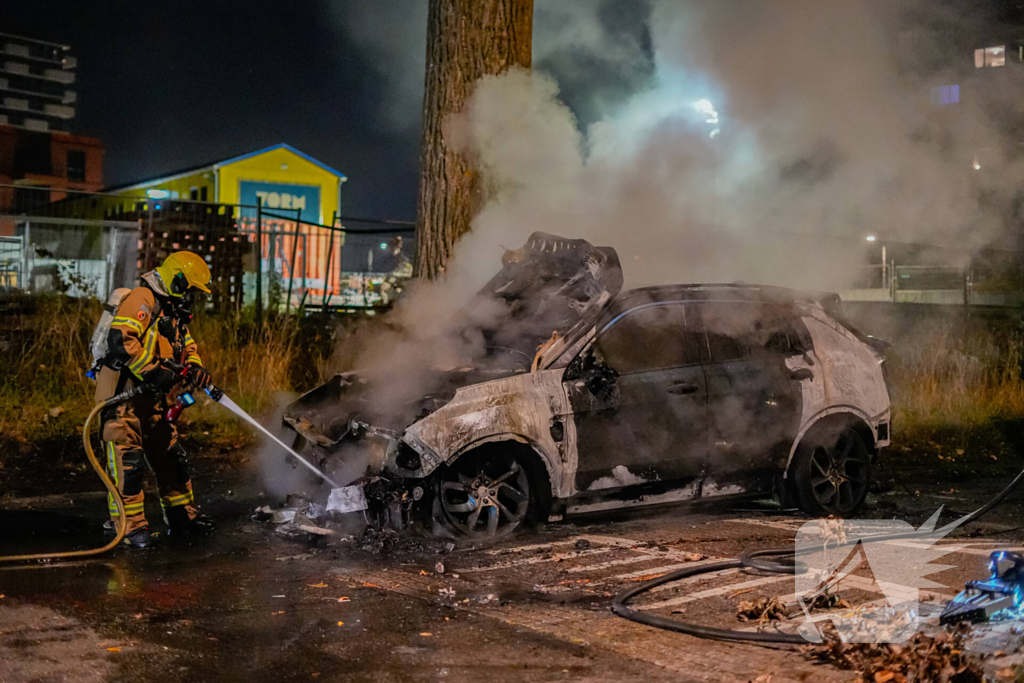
<point>158,194</point>
<point>870,238</point>
<point>158,206</point>
<point>705,107</point>
<point>383,245</point>
<point>977,166</point>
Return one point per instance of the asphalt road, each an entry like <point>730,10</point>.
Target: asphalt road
<point>250,604</point>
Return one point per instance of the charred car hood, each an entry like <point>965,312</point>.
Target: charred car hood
<point>549,291</point>
<point>550,287</point>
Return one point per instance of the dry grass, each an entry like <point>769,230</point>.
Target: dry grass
<point>945,377</point>
<point>50,358</point>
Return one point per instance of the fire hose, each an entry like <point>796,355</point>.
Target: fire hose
<point>184,400</point>
<point>784,563</point>
<point>115,495</point>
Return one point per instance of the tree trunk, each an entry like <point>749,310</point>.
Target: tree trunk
<point>466,39</point>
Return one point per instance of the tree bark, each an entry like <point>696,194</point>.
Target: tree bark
<point>466,39</point>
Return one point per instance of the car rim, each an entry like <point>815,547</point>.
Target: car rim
<point>839,474</point>
<point>490,500</point>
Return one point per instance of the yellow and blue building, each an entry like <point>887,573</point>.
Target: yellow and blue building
<point>286,179</point>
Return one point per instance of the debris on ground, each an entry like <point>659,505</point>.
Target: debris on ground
<point>829,601</point>
<point>923,657</point>
<point>377,541</point>
<point>279,516</point>
<point>582,544</point>
<point>762,610</point>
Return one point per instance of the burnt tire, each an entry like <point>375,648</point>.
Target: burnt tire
<point>489,493</point>
<point>831,472</point>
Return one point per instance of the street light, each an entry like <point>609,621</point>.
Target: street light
<point>870,238</point>
<point>705,107</point>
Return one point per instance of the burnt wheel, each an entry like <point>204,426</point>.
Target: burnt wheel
<point>486,495</point>
<point>831,472</point>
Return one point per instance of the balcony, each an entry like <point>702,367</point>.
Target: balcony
<point>59,110</point>
<point>65,77</point>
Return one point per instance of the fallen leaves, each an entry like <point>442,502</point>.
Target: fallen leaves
<point>317,585</point>
<point>922,658</point>
<point>113,649</point>
<point>426,634</point>
<point>762,610</point>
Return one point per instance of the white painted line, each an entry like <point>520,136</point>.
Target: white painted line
<point>855,582</point>
<point>536,560</point>
<point>700,578</point>
<point>646,556</point>
<point>535,546</point>
<point>981,552</point>
<point>612,540</point>
<point>658,571</point>
<point>714,592</point>
<point>592,538</point>
<point>791,525</point>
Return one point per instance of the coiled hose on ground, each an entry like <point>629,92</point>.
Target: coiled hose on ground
<point>111,489</point>
<point>755,559</point>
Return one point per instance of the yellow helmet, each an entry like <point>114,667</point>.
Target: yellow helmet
<point>182,270</point>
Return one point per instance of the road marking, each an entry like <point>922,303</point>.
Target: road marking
<point>792,525</point>
<point>535,546</point>
<point>654,572</point>
<point>981,552</point>
<point>611,540</point>
<point>557,557</point>
<point>647,556</point>
<point>714,592</point>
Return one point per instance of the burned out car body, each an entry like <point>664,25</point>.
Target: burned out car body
<point>657,395</point>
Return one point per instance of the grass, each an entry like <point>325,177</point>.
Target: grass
<point>45,395</point>
<point>958,401</point>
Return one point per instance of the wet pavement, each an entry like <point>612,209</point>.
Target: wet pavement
<point>250,604</point>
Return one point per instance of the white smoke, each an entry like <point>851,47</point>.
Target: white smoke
<point>824,131</point>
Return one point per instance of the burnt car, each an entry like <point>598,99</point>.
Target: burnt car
<point>645,397</point>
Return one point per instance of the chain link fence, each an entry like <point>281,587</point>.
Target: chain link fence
<point>88,244</point>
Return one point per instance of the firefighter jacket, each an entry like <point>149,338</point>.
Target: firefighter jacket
<point>142,334</point>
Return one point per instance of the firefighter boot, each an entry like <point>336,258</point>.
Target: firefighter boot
<point>181,526</point>
<point>141,538</point>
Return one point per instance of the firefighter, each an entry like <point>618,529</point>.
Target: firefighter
<point>149,343</point>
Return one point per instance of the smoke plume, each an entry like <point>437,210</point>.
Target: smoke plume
<point>768,141</point>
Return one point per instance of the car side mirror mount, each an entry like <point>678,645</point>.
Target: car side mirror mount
<point>801,374</point>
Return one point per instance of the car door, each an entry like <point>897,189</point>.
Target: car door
<point>754,399</point>
<point>639,401</point>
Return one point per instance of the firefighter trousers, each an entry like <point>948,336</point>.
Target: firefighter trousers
<point>136,434</point>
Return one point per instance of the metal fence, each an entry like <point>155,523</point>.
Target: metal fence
<point>91,243</point>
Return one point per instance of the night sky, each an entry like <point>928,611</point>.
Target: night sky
<point>172,85</point>
<point>168,86</point>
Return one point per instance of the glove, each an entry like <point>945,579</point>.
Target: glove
<point>198,377</point>
<point>160,379</point>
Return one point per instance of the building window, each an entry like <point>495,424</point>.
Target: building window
<point>76,165</point>
<point>202,193</point>
<point>990,56</point>
<point>945,94</point>
<point>193,194</point>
